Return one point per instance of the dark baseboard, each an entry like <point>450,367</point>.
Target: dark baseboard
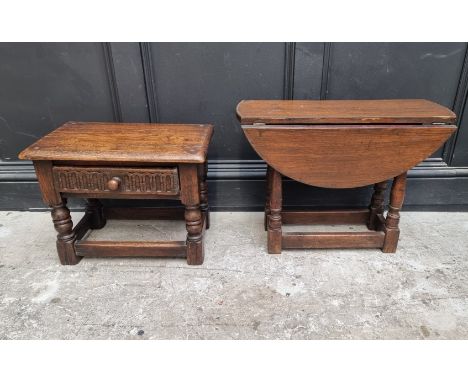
<point>239,186</point>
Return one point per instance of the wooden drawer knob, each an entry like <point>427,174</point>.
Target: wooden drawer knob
<point>114,183</point>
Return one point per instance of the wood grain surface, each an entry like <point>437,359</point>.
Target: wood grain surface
<point>412,111</point>
<point>345,156</point>
<point>93,248</point>
<point>123,142</point>
<point>304,240</point>
<point>129,181</point>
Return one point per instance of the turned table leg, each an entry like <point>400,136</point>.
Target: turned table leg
<point>194,224</point>
<point>65,236</point>
<point>376,207</point>
<point>190,197</point>
<point>392,232</point>
<point>96,211</point>
<point>60,213</point>
<point>274,217</point>
<point>202,174</point>
<point>269,172</point>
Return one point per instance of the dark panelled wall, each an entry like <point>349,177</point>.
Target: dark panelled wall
<point>43,85</point>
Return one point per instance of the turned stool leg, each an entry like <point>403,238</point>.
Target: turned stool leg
<point>269,172</point>
<point>66,237</point>
<point>190,197</point>
<point>392,232</point>
<point>376,207</point>
<point>60,213</point>
<point>194,224</point>
<point>95,209</point>
<point>202,173</point>
<point>274,217</point>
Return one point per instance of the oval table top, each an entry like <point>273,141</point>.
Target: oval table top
<point>347,155</point>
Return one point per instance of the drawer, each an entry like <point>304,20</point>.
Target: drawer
<point>115,181</point>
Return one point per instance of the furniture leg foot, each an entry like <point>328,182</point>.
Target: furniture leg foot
<point>391,241</point>
<point>392,232</point>
<point>274,217</point>
<point>190,197</point>
<point>204,206</point>
<point>274,235</point>
<point>194,224</point>
<point>66,237</point>
<point>267,200</point>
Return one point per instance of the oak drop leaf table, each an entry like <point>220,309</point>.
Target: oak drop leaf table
<point>342,144</point>
<point>124,161</point>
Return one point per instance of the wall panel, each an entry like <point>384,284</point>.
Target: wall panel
<point>308,70</point>
<point>396,70</point>
<point>46,84</point>
<point>203,82</point>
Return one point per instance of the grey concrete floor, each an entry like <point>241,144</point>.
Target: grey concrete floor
<point>240,292</point>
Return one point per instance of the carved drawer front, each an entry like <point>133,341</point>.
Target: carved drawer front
<point>115,181</point>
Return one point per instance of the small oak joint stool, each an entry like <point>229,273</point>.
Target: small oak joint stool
<point>124,161</point>
<point>342,144</point>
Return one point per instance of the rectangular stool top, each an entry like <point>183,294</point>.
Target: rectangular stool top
<point>123,142</point>
<point>414,111</point>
